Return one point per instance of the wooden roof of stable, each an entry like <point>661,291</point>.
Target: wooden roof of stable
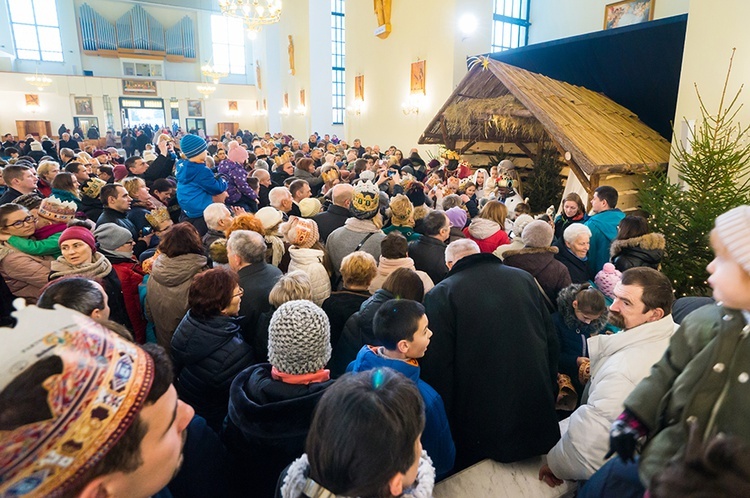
<point>601,135</point>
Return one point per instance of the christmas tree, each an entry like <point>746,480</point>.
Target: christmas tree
<point>713,177</point>
<point>544,186</point>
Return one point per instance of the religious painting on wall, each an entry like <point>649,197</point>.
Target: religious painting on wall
<point>32,100</point>
<point>286,100</point>
<point>359,87</point>
<point>302,98</point>
<point>418,83</point>
<point>628,12</point>
<point>233,107</point>
<point>195,108</point>
<point>84,106</point>
<point>139,87</point>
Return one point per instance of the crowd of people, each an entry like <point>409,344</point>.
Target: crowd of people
<point>259,315</point>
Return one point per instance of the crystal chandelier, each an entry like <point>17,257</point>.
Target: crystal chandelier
<point>39,81</point>
<point>205,90</point>
<point>212,73</point>
<point>254,13</point>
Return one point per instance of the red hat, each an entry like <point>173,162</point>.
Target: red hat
<point>120,172</point>
<point>99,152</point>
<point>78,233</point>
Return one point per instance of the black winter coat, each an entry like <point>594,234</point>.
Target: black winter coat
<point>330,220</point>
<point>357,332</point>
<point>646,250</point>
<point>256,281</point>
<point>493,358</point>
<point>340,306</point>
<point>207,354</point>
<point>428,254</point>
<point>267,424</point>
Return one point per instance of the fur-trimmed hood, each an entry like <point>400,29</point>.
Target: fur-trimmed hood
<point>530,250</point>
<point>648,242</point>
<point>565,306</point>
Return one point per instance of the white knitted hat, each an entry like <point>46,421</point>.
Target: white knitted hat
<point>733,229</point>
<point>299,338</point>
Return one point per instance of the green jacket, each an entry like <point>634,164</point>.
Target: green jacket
<point>705,374</point>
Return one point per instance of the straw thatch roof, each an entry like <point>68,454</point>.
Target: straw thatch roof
<point>500,103</point>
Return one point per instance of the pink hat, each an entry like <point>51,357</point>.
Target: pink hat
<point>78,233</point>
<point>237,153</point>
<point>607,278</point>
<point>120,172</point>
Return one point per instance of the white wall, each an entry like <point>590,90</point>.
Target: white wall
<point>711,35</point>
<point>555,19</point>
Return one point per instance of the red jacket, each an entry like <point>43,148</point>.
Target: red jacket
<point>131,275</point>
<point>490,243</point>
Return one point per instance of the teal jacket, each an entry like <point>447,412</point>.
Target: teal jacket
<point>603,228</point>
<point>704,376</point>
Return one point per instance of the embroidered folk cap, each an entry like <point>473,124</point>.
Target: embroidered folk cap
<point>365,201</point>
<point>101,386</point>
<point>57,211</point>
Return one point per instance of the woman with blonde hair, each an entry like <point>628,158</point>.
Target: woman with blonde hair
<point>141,205</point>
<point>487,228</point>
<point>46,171</point>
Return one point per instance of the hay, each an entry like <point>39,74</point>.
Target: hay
<point>501,116</point>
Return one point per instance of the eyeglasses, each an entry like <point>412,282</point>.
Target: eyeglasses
<point>18,224</point>
<point>239,293</point>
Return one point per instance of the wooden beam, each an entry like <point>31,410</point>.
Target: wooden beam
<point>575,168</point>
<point>467,146</point>
<point>593,185</point>
<point>526,150</point>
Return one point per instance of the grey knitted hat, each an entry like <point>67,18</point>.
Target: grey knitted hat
<point>299,338</point>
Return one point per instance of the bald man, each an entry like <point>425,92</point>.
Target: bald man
<point>337,213</point>
<point>264,186</point>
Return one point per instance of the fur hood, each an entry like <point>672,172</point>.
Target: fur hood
<point>648,242</point>
<point>530,250</point>
<point>565,307</point>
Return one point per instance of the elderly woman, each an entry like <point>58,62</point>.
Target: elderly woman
<point>46,171</point>
<point>207,348</point>
<point>573,211</point>
<point>80,258</point>
<point>24,274</point>
<point>573,252</point>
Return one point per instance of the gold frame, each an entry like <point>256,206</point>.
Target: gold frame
<point>611,12</point>
<point>359,87</point>
<point>418,79</point>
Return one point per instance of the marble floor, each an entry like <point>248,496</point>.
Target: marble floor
<point>502,480</point>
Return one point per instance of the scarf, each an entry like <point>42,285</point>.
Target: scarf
<point>277,248</point>
<point>297,478</point>
<point>364,226</point>
<point>98,268</point>
<point>301,379</point>
<point>44,232</point>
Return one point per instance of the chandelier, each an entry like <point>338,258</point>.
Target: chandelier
<point>206,90</point>
<point>39,81</point>
<point>212,73</point>
<point>254,13</point>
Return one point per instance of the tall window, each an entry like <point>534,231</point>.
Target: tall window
<point>228,37</point>
<point>510,24</point>
<point>35,30</point>
<point>337,61</point>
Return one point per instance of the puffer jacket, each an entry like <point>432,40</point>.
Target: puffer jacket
<point>618,363</point>
<point>387,266</point>
<point>267,423</point>
<point>25,275</point>
<point>646,250</point>
<point>487,234</point>
<point>551,274</point>
<point>167,292</point>
<point>572,333</point>
<point>703,376</point>
<point>310,261</point>
<point>196,186</point>
<point>208,353</point>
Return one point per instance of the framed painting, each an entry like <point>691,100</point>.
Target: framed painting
<point>32,99</point>
<point>627,12</point>
<point>302,98</point>
<point>233,107</point>
<point>195,108</point>
<point>84,106</point>
<point>286,100</point>
<point>417,84</point>
<point>359,87</point>
<point>138,87</point>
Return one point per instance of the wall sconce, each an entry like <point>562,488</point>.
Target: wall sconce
<point>412,104</point>
<point>357,107</point>
<point>284,111</point>
<point>301,110</point>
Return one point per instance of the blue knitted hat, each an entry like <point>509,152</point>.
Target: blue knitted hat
<point>192,145</point>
